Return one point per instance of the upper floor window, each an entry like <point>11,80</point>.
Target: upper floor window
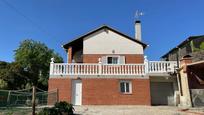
<point>113,60</point>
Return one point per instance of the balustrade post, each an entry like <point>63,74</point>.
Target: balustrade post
<point>52,66</point>
<point>146,63</point>
<point>99,66</point>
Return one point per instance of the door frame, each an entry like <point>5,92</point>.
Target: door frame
<point>73,98</point>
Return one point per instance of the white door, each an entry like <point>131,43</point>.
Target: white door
<point>76,92</point>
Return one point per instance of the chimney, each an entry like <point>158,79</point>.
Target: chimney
<point>138,31</point>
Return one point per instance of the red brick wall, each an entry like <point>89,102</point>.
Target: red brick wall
<point>69,53</point>
<point>129,58</point>
<point>106,91</point>
<point>64,88</point>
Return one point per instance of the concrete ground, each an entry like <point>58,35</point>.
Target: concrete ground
<point>133,110</point>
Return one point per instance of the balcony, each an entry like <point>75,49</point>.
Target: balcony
<point>149,67</point>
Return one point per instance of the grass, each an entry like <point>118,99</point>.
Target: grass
<point>16,111</point>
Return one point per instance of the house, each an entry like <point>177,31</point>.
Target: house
<point>190,77</point>
<point>107,67</point>
<point>193,45</point>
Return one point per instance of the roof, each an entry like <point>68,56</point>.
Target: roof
<point>98,29</point>
<point>182,43</point>
<point>197,63</point>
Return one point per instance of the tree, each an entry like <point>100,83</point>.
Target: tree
<point>16,76</point>
<point>3,72</point>
<point>13,76</point>
<point>202,46</point>
<point>35,57</point>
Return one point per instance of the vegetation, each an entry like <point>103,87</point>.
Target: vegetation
<point>60,108</point>
<point>201,47</point>
<point>12,76</point>
<point>15,111</point>
<point>31,66</point>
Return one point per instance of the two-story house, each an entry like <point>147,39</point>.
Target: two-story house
<point>107,67</point>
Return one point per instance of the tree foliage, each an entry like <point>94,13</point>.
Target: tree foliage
<point>31,66</point>
<point>202,46</point>
<point>35,57</point>
<point>12,76</point>
<point>3,75</point>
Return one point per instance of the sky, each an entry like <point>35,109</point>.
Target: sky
<point>165,24</point>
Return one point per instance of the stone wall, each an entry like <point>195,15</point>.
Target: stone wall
<point>197,56</point>
<point>197,97</point>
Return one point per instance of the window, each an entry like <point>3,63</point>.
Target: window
<point>125,87</point>
<point>113,60</point>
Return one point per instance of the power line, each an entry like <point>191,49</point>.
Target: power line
<point>26,17</point>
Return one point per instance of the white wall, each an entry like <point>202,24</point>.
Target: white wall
<point>105,41</point>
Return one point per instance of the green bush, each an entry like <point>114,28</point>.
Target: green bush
<point>49,111</point>
<point>60,108</point>
<point>64,107</point>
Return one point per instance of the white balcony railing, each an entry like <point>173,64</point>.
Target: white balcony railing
<point>162,66</point>
<point>112,69</point>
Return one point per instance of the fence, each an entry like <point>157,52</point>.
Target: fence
<point>24,97</point>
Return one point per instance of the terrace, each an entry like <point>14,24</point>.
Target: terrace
<point>148,67</point>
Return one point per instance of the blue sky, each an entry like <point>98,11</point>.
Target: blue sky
<point>54,22</point>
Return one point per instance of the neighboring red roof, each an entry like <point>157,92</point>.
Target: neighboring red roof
<point>98,29</point>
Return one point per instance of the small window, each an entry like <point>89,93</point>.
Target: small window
<point>113,60</point>
<point>125,87</point>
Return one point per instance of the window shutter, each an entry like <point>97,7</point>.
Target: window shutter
<point>104,60</point>
<point>122,59</point>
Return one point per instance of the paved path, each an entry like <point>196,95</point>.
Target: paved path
<point>131,110</point>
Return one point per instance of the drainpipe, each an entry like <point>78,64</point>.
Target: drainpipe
<point>177,57</point>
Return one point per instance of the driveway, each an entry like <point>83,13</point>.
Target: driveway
<point>131,110</point>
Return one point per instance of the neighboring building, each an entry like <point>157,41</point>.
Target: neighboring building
<point>107,67</point>
<point>193,46</point>
<point>191,82</point>
<point>190,54</point>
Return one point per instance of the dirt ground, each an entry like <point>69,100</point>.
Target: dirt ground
<point>115,110</point>
<point>135,110</point>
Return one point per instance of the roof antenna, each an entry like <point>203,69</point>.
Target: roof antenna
<point>138,14</point>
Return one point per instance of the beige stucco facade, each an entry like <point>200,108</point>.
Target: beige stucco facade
<point>116,44</point>
<point>185,98</point>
